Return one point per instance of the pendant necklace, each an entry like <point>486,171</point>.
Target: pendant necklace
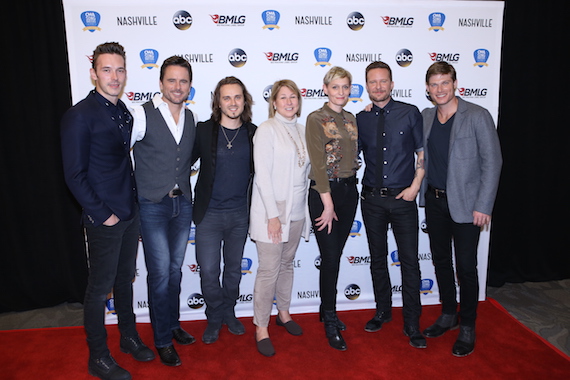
<point>229,144</point>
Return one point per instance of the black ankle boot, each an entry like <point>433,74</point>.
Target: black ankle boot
<point>339,324</point>
<point>332,331</point>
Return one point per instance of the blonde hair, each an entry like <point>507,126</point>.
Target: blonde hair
<point>277,86</point>
<point>336,72</point>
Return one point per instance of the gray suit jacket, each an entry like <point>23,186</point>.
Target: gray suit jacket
<point>474,161</point>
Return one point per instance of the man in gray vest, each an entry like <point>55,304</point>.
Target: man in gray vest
<point>163,137</point>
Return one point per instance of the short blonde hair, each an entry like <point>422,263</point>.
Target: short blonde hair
<point>336,72</point>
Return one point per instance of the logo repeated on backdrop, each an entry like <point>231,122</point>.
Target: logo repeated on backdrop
<point>223,20</point>
<point>475,23</point>
<point>281,57</point>
<point>354,260</point>
<point>182,20</point>
<point>426,285</point>
<point>356,91</point>
<point>404,57</point>
<point>190,99</point>
<point>140,97</point>
<point>198,57</point>
<point>267,92</point>
<point>270,19</point>
<point>237,57</point>
<point>149,57</point>
<point>195,301</point>
<point>137,21</point>
<point>447,57</point>
<point>398,22</point>
<point>352,292</point>
<point>402,93</point>
<point>357,224</point>
<point>317,262</point>
<point>192,236</point>
<point>355,21</point>
<point>363,57</point>
<point>245,298</point>
<point>194,268</point>
<point>246,264</point>
<point>313,20</point>
<point>395,258</point>
<point>323,56</point>
<point>472,92</point>
<point>481,56</point>
<point>436,21</point>
<point>91,20</point>
<point>308,294</point>
<point>313,93</point>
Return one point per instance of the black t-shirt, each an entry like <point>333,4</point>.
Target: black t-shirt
<point>438,152</point>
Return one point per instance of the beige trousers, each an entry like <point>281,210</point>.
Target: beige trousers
<point>274,277</point>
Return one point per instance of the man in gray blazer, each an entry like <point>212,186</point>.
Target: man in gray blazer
<point>463,165</point>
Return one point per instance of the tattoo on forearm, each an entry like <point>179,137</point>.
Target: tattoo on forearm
<point>420,164</point>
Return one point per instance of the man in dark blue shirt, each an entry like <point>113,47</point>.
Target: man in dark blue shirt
<point>389,134</point>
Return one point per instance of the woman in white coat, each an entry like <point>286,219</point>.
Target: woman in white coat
<point>279,211</point>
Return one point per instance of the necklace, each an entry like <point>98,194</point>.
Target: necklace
<point>300,155</point>
<point>229,144</point>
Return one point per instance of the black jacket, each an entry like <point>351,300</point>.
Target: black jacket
<point>205,149</point>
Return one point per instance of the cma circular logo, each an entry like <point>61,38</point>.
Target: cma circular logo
<point>352,292</point>
<point>267,92</point>
<point>182,20</point>
<point>195,301</point>
<point>355,21</point>
<point>404,58</point>
<point>237,58</point>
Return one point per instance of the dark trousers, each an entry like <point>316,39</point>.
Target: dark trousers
<point>222,233</point>
<point>345,199</point>
<point>442,231</point>
<point>378,213</point>
<point>112,261</point>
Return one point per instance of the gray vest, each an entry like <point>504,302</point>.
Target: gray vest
<point>161,163</point>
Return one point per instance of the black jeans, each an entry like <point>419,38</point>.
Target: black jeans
<point>378,213</point>
<point>442,231</point>
<point>345,199</point>
<point>112,264</point>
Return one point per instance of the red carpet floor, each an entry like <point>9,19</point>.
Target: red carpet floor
<point>505,349</point>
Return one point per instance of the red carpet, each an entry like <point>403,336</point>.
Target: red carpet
<point>505,350</point>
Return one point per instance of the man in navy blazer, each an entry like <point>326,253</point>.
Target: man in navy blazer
<point>95,139</point>
<point>463,165</point>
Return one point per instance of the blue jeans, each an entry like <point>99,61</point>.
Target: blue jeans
<point>112,263</point>
<point>378,212</point>
<point>165,228</point>
<point>225,230</point>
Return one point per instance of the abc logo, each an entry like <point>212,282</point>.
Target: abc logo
<point>404,58</point>
<point>182,20</point>
<point>267,92</point>
<point>195,301</point>
<point>237,58</point>
<point>355,21</point>
<point>352,292</point>
<point>318,262</point>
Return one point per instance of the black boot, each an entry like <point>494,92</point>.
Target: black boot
<point>332,331</point>
<point>341,326</point>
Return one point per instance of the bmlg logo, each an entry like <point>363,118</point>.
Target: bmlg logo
<point>237,57</point>
<point>356,91</point>
<point>91,20</point>
<point>481,56</point>
<point>323,56</point>
<point>149,57</point>
<point>182,20</point>
<point>436,21</point>
<point>245,266</point>
<point>270,19</point>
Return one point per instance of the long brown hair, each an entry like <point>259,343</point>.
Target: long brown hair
<point>216,111</point>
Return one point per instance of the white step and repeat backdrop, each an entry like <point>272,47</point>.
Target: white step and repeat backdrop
<point>264,41</point>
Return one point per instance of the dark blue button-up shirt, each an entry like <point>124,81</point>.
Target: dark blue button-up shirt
<point>403,130</point>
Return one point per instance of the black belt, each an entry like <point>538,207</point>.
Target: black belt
<point>174,193</point>
<point>439,193</point>
<point>383,191</point>
<point>347,180</point>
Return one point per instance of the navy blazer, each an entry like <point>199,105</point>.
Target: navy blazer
<point>96,162</point>
<point>474,161</point>
<point>205,149</point>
